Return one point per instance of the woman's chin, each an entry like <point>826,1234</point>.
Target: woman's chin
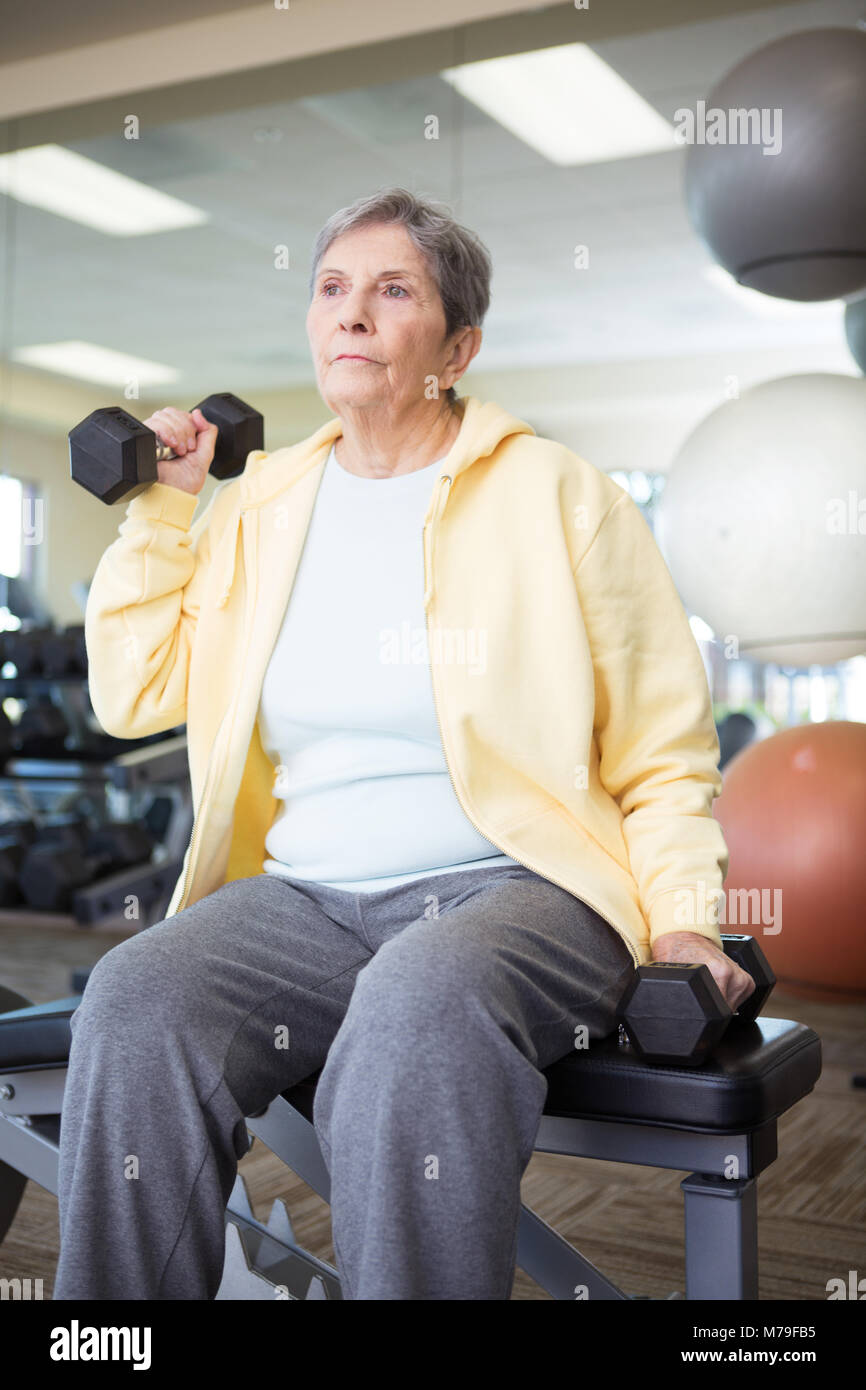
<point>353,396</point>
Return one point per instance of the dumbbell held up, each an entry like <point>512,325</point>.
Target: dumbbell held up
<point>115,457</point>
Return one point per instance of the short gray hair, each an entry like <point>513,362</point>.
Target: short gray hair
<point>458,260</point>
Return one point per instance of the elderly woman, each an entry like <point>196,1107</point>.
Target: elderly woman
<point>453,761</point>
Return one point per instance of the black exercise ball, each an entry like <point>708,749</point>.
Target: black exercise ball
<point>792,223</point>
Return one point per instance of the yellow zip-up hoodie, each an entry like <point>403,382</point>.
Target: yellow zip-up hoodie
<point>585,748</point>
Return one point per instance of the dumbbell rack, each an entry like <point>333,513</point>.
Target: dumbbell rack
<point>121,785</point>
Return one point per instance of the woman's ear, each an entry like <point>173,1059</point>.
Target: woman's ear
<point>466,346</point>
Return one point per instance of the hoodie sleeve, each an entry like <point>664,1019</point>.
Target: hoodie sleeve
<point>657,741</point>
<point>142,612</point>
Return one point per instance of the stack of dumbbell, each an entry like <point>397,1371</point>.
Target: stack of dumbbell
<point>45,651</point>
<point>43,866</point>
<point>40,655</point>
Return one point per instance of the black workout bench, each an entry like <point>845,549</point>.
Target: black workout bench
<point>717,1122</point>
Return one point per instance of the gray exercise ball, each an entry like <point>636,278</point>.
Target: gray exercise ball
<point>792,223</point>
<point>855,330</point>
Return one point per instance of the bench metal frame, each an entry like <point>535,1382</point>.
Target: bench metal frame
<point>721,1221</point>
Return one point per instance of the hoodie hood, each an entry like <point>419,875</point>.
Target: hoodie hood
<point>484,425</point>
<point>483,428</point>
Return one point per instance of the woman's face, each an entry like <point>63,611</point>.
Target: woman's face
<point>376,324</point>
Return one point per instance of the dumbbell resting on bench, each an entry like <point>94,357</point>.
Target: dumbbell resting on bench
<point>115,456</point>
<point>676,1013</point>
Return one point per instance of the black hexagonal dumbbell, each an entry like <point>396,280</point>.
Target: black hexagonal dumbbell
<point>50,874</point>
<point>675,1013</point>
<point>114,456</point>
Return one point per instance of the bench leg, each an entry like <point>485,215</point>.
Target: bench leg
<point>12,1185</point>
<point>721,1216</point>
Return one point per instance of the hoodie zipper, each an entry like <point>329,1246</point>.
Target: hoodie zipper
<point>197,823</point>
<point>212,760</point>
<point>501,845</point>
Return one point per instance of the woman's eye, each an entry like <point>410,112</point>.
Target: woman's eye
<point>396,287</point>
<point>330,286</point>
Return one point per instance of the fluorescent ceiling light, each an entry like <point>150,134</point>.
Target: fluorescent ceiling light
<point>565,102</point>
<point>90,362</point>
<point>768,305</point>
<point>69,185</point>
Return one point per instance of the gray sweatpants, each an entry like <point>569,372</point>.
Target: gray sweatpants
<point>433,1006</point>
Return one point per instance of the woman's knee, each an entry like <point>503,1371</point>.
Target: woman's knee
<point>132,980</point>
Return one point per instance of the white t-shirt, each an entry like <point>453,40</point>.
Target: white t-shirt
<point>347,713</point>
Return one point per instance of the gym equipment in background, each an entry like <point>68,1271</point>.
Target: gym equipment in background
<point>44,651</point>
<point>603,1102</point>
<point>757,525</point>
<point>736,731</point>
<point>7,743</point>
<point>65,865</point>
<point>855,330</point>
<point>114,456</point>
<point>62,832</point>
<point>675,1013</point>
<point>58,727</point>
<point>24,648</point>
<point>42,730</point>
<point>64,803</point>
<point>11,856</point>
<point>64,652</point>
<point>19,597</point>
<point>51,874</point>
<point>790,222</point>
<point>793,812</point>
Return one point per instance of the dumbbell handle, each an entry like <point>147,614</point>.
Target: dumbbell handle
<point>745,952</point>
<point>738,948</point>
<point>163,451</point>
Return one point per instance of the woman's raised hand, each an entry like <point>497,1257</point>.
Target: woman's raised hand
<point>192,439</point>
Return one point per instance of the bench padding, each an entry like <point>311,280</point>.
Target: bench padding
<point>756,1073</point>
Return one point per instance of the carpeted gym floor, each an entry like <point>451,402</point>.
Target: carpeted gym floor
<point>626,1219</point>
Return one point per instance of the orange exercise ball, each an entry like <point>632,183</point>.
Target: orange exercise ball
<point>793,812</point>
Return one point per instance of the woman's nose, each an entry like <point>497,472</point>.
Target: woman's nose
<point>354,313</point>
